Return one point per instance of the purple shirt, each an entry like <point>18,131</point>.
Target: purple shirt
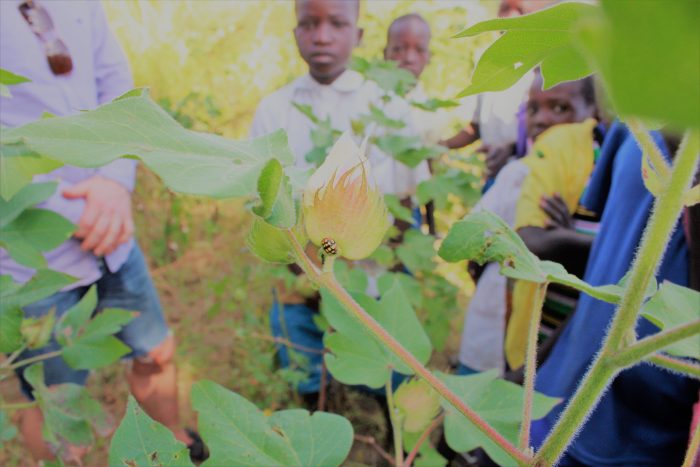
<point>100,73</point>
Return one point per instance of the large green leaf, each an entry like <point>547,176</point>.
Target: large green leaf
<point>69,411</point>
<point>417,251</point>
<point>18,165</point>
<point>237,433</point>
<point>96,345</point>
<point>543,38</point>
<point>673,306</point>
<point>386,74</point>
<point>461,184</point>
<point>29,196</point>
<point>321,439</point>
<point>647,54</point>
<point>33,231</point>
<point>276,201</point>
<point>484,237</point>
<point>135,126</point>
<point>356,356</point>
<point>141,441</point>
<point>497,401</point>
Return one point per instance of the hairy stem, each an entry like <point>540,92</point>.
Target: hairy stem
<point>675,364</point>
<point>531,365</point>
<point>692,453</point>
<point>36,358</point>
<point>395,424</point>
<point>661,223</point>
<point>649,147</point>
<point>649,345</point>
<point>414,452</point>
<point>13,356</point>
<point>340,294</point>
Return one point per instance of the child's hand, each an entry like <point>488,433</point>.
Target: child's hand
<point>496,158</point>
<point>559,216</point>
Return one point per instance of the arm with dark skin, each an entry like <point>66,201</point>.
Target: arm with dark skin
<point>558,241</point>
<point>463,138</point>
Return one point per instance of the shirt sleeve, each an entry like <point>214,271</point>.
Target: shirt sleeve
<point>112,71</point>
<point>596,194</point>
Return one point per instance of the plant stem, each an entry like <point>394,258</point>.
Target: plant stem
<point>692,453</point>
<point>19,405</point>
<point>395,424</point>
<point>654,343</point>
<point>649,147</point>
<point>372,442</point>
<point>531,365</point>
<point>676,364</point>
<point>395,347</point>
<point>36,358</point>
<point>414,452</point>
<point>661,223</point>
<point>13,356</point>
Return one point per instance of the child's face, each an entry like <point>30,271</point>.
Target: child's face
<point>563,103</point>
<point>408,46</point>
<point>326,33</point>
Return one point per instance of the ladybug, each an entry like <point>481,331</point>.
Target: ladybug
<point>329,246</point>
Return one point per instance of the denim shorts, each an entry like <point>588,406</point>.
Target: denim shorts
<point>130,288</point>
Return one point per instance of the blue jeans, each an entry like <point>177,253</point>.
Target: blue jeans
<point>129,288</point>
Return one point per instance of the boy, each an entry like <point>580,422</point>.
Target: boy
<point>326,34</point>
<point>626,427</point>
<point>483,336</point>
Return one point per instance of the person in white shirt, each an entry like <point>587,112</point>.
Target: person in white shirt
<point>326,33</point>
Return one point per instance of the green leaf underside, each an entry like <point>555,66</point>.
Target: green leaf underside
<point>673,306</point>
<point>498,402</point>
<point>43,284</point>
<point>29,196</point>
<point>142,441</point>
<point>189,162</point>
<point>18,164</point>
<point>237,433</point>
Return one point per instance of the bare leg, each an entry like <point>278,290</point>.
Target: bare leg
<point>153,383</point>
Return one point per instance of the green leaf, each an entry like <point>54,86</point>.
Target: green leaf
<point>383,256</point>
<point>431,105</point>
<point>396,144</point>
<point>630,42</point>
<point>397,210</point>
<point>43,284</point>
<point>544,37</point>
<point>141,441</point>
<point>352,279</point>
<point>95,346</point>
<point>18,165</point>
<point>321,439</point>
<point>10,329</point>
<point>29,196</point>
<point>356,356</point>
<point>413,157</point>
<point>235,431</point>
<point>7,78</point>
<point>386,74</point>
<point>75,318</point>
<point>275,190</point>
<point>673,306</point>
<point>417,251</point>
<point>33,231</point>
<point>271,244</point>
<point>498,402</point>
<point>7,429</point>
<point>408,283</point>
<point>69,412</point>
<point>134,126</point>
<point>307,111</point>
<point>377,115</point>
<point>456,182</point>
<point>484,237</point>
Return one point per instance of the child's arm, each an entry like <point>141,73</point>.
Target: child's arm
<point>559,241</point>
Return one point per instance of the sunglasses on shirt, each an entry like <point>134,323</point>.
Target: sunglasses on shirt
<point>42,26</point>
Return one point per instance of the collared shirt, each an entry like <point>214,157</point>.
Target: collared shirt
<point>100,73</point>
<point>345,99</point>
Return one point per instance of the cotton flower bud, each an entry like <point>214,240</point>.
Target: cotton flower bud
<point>344,210</point>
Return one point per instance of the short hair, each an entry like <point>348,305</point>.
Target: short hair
<point>405,19</point>
<point>356,2</point>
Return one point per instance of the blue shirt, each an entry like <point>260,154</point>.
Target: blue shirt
<point>644,417</point>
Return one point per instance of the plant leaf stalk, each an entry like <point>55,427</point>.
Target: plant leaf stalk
<point>328,281</point>
<point>667,208</point>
